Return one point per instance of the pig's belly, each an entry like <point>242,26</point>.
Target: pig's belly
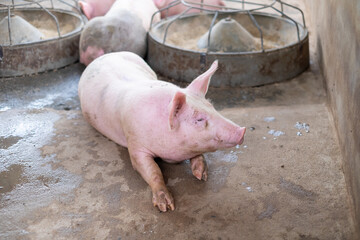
<point>105,124</point>
<point>176,157</point>
<point>99,111</point>
<point>115,133</point>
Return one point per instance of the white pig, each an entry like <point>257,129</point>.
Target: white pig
<point>123,28</point>
<point>121,97</point>
<point>95,8</point>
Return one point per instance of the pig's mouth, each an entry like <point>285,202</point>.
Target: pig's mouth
<point>227,144</point>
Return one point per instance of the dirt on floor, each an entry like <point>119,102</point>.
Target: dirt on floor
<point>61,179</point>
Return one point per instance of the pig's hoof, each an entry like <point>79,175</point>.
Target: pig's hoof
<point>163,200</point>
<point>199,167</point>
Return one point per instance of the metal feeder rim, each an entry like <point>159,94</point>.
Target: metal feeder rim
<point>76,30</point>
<point>303,38</point>
<point>197,5</point>
<point>239,53</point>
<point>229,9</point>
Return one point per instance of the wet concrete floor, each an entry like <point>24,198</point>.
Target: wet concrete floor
<point>61,179</point>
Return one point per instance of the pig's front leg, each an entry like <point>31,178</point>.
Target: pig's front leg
<point>199,167</point>
<point>151,173</point>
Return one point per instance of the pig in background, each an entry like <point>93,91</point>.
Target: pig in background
<point>123,28</point>
<point>122,98</point>
<point>178,9</point>
<point>95,8</point>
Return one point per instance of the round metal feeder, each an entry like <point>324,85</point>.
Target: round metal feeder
<point>39,35</point>
<point>281,49</point>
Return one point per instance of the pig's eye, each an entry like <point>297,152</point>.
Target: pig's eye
<point>201,122</point>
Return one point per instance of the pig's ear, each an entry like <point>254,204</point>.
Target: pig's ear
<point>175,106</point>
<point>86,9</point>
<point>200,85</point>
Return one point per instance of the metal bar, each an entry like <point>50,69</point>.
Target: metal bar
<point>258,27</point>
<point>296,23</point>
<point>152,19</point>
<point>173,20</point>
<point>76,7</point>
<point>9,25</point>
<point>302,13</point>
<point>263,6</point>
<point>243,4</point>
<point>20,5</point>
<point>202,62</point>
<point>199,5</point>
<point>53,16</point>
<point>210,29</point>
<point>52,4</point>
<point>254,3</point>
<point>1,53</point>
<point>174,3</point>
<point>170,5</point>
<point>281,5</point>
<point>68,4</point>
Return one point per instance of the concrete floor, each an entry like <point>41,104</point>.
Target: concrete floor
<point>61,179</point>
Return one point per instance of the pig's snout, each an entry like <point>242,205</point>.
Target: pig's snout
<point>232,138</point>
<point>237,136</point>
<point>91,53</point>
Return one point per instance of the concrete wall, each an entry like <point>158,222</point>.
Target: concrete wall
<point>335,28</point>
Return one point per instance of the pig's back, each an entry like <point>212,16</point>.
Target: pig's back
<point>144,9</point>
<point>104,84</point>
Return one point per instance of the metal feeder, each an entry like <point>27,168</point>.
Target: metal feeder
<point>38,35</point>
<point>255,43</point>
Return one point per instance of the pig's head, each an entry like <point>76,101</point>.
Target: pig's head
<point>91,44</point>
<point>194,118</point>
<point>90,54</point>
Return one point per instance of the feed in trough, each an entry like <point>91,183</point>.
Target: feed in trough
<point>227,36</point>
<point>23,31</point>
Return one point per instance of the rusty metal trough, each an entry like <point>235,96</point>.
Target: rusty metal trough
<point>58,45</point>
<point>282,48</point>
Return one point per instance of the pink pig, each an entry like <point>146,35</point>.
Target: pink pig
<point>122,98</point>
<point>177,9</point>
<point>123,28</point>
<point>95,8</point>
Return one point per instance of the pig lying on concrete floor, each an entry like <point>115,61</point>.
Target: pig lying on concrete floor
<point>123,28</point>
<point>122,98</point>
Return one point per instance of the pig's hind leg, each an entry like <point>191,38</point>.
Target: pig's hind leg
<point>199,167</point>
<point>151,173</point>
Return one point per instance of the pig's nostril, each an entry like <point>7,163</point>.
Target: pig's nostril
<point>217,139</point>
